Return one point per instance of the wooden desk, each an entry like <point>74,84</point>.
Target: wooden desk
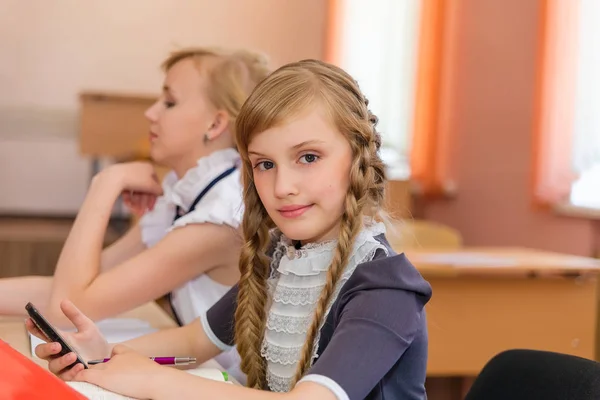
<point>489,300</point>
<point>12,329</point>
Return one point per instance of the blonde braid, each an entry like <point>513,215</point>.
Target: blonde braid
<point>250,315</point>
<point>361,178</point>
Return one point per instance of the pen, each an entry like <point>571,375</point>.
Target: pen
<point>159,360</point>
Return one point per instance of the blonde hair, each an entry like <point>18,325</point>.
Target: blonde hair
<point>232,74</point>
<point>287,92</point>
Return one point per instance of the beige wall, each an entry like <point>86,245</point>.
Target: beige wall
<point>53,49</point>
<point>492,118</point>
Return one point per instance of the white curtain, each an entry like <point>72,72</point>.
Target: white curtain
<point>586,146</point>
<point>379,49</point>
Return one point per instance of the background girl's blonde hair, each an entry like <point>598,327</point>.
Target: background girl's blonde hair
<point>286,93</point>
<point>232,74</point>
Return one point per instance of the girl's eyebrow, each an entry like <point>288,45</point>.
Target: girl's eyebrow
<point>306,143</point>
<point>168,90</point>
<point>295,147</point>
<point>256,153</point>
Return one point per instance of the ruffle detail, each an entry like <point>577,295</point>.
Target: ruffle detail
<point>277,383</point>
<point>316,259</point>
<point>183,192</point>
<point>297,296</point>
<point>288,324</point>
<point>228,211</point>
<point>280,354</point>
<point>223,205</point>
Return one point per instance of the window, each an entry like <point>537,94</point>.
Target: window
<point>586,142</point>
<point>378,42</point>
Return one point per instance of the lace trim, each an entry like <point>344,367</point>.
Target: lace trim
<point>309,250</point>
<point>279,383</point>
<point>297,296</point>
<point>286,245</point>
<point>289,324</point>
<point>280,354</point>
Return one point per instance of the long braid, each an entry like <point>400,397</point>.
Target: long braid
<point>250,315</point>
<point>350,227</point>
<point>361,175</point>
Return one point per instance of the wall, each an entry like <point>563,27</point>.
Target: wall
<point>491,108</point>
<point>53,49</point>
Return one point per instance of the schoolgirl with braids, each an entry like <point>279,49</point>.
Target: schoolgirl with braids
<point>324,308</point>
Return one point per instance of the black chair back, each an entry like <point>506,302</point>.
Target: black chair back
<point>534,374</point>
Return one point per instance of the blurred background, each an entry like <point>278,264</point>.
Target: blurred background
<point>489,110</point>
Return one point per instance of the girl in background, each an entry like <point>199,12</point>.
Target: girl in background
<point>187,243</point>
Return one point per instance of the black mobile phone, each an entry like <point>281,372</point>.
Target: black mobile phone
<point>52,334</point>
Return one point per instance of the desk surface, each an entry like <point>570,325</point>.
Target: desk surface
<point>481,261</point>
<point>484,303</point>
<point>12,329</point>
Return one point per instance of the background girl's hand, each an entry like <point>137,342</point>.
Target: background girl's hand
<point>128,373</point>
<point>136,177</point>
<point>139,203</point>
<point>87,340</point>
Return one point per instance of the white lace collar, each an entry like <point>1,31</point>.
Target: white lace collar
<point>314,258</point>
<point>297,279</point>
<point>184,191</point>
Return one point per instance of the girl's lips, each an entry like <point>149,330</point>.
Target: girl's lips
<point>294,211</point>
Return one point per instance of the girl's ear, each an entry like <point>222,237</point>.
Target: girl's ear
<point>219,125</point>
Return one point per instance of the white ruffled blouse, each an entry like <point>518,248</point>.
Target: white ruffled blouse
<point>222,205</point>
<point>297,279</point>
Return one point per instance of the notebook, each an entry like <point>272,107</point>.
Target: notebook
<point>93,392</point>
<point>115,330</point>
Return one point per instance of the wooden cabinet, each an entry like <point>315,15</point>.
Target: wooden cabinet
<point>113,125</point>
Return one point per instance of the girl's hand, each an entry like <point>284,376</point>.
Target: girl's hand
<point>139,203</point>
<point>128,373</point>
<point>136,177</point>
<point>88,341</point>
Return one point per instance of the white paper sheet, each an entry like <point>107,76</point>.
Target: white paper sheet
<point>94,392</point>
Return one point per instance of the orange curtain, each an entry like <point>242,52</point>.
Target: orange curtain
<point>428,156</point>
<point>553,172</point>
<point>332,34</point>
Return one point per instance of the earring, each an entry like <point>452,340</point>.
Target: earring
<point>206,138</point>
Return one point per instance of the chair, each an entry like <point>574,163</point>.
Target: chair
<point>421,234</point>
<point>534,374</point>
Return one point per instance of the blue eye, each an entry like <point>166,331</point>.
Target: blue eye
<point>309,158</point>
<point>264,165</point>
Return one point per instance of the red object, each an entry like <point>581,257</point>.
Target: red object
<point>23,379</point>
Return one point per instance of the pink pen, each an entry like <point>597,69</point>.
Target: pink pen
<point>159,360</point>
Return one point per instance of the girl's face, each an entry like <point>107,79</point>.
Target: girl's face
<point>301,172</point>
<point>180,117</point>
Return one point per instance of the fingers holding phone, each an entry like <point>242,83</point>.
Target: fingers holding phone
<point>64,366</point>
<point>66,352</point>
